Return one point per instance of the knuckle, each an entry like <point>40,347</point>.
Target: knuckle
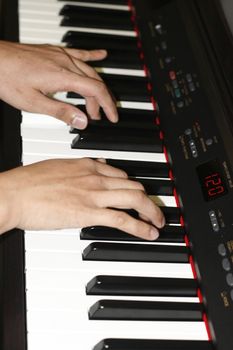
<point>101,87</point>
<point>95,180</point>
<point>62,112</point>
<point>140,196</point>
<point>88,163</point>
<point>120,219</point>
<point>139,186</point>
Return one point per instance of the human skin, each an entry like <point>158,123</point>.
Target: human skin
<point>31,74</point>
<point>58,193</point>
<point>61,193</point>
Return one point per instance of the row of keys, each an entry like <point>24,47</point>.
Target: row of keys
<point>61,285</point>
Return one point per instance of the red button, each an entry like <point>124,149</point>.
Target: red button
<point>172,75</point>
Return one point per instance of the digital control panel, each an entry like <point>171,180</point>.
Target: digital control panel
<point>212,180</point>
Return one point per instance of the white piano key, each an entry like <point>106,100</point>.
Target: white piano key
<point>62,320</point>
<point>64,281</point>
<point>52,29</point>
<point>62,96</point>
<point>60,261</point>
<point>47,134</point>
<point>63,149</point>
<point>70,300</point>
<point>39,16</point>
<point>68,243</point>
<point>46,6</point>
<point>37,120</point>
<point>120,71</point>
<point>86,340</point>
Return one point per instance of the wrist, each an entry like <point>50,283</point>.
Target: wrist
<point>7,215</point>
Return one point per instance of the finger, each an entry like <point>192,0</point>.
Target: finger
<point>116,183</point>
<point>89,87</point>
<point>86,69</point>
<point>68,113</point>
<point>109,170</point>
<point>86,87</point>
<point>123,221</point>
<point>87,55</point>
<point>99,166</point>
<point>131,199</point>
<point>93,108</point>
<point>101,160</point>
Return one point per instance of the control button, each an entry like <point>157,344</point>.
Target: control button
<point>159,29</point>
<point>172,75</point>
<point>188,132</point>
<point>229,279</point>
<point>222,249</point>
<point>209,142</point>
<point>231,294</point>
<point>168,59</point>
<point>180,104</point>
<point>192,87</point>
<point>226,264</point>
<point>189,77</point>
<point>175,84</point>
<point>164,45</point>
<point>213,220</point>
<point>178,93</point>
<point>193,148</point>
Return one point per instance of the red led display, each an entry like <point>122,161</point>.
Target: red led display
<point>212,181</point>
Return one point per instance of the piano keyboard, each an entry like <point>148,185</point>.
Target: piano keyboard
<point>78,291</point>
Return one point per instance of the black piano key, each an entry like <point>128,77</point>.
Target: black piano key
<point>157,187</point>
<point>124,88</point>
<point>153,344</point>
<point>172,215</point>
<point>142,286</point>
<point>145,311</point>
<point>96,12</point>
<point>89,41</point>
<point>105,129</point>
<point>172,234</point>
<point>87,17</point>
<point>103,251</point>
<point>116,59</point>
<point>132,88</point>
<point>124,125</point>
<point>140,168</point>
<point>92,22</point>
<point>117,141</point>
<point>113,2</point>
<point>128,118</point>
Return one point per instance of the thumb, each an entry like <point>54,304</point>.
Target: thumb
<point>66,112</point>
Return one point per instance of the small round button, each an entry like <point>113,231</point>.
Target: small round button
<point>180,104</point>
<point>229,279</point>
<point>209,142</point>
<point>226,264</point>
<point>222,249</point>
<point>188,131</point>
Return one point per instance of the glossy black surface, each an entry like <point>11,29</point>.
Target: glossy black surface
<point>145,311</point>
<point>153,344</point>
<point>101,251</point>
<point>172,234</point>
<point>146,286</point>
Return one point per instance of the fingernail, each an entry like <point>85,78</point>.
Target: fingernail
<point>102,51</point>
<point>154,234</point>
<point>162,222</point>
<point>79,121</point>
